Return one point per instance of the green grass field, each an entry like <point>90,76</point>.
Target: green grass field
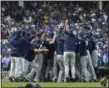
<point>53,84</point>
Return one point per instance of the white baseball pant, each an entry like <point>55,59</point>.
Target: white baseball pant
<point>39,61</point>
<point>26,65</point>
<point>90,65</point>
<point>69,60</point>
<point>16,67</point>
<point>61,67</point>
<point>55,66</point>
<point>94,58</point>
<point>84,63</point>
<point>12,67</point>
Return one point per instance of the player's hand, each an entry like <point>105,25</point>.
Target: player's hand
<point>38,50</point>
<point>46,50</point>
<point>43,47</point>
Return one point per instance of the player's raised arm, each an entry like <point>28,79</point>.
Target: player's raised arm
<point>67,26</point>
<point>40,50</point>
<point>53,40</point>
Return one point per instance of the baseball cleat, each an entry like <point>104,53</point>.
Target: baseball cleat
<point>54,79</point>
<point>17,80</point>
<point>35,80</point>
<point>67,79</point>
<point>11,79</point>
<point>28,79</point>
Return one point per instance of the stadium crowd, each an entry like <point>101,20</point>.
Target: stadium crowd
<point>43,22</point>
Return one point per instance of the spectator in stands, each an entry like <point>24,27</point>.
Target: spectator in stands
<point>6,63</point>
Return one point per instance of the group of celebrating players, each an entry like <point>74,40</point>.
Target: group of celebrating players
<point>62,56</point>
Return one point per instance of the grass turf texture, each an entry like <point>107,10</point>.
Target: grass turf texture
<point>5,84</point>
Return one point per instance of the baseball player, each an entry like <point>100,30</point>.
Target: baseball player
<point>38,58</point>
<point>70,43</point>
<point>92,57</point>
<point>59,29</point>
<point>28,52</point>
<point>83,58</point>
<point>93,51</point>
<point>59,52</point>
<point>16,56</point>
